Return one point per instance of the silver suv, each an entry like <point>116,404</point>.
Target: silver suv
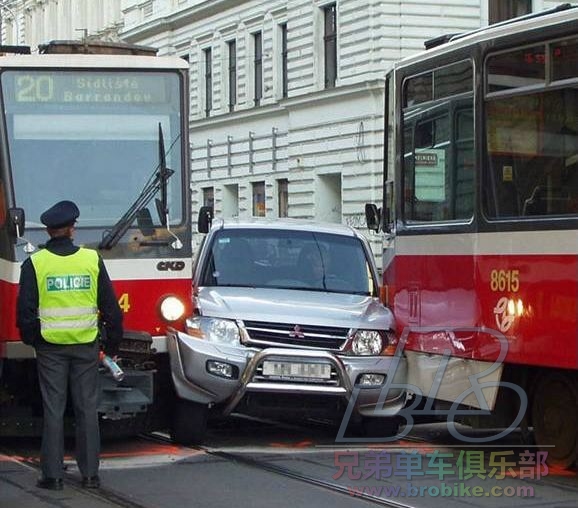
<point>287,320</point>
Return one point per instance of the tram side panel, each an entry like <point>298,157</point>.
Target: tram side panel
<point>484,228</point>
<point>150,262</point>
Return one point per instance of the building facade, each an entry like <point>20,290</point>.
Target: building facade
<point>287,96</point>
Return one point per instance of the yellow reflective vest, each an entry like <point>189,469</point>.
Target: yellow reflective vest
<point>67,291</point>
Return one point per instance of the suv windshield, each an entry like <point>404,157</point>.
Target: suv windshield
<point>288,259</point>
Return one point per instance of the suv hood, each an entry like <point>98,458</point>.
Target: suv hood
<point>294,306</point>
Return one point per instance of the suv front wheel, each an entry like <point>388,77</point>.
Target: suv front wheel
<point>189,424</point>
<point>380,427</point>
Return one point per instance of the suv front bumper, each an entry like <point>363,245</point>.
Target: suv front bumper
<point>190,359</point>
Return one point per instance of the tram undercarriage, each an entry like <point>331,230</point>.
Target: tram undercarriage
<point>138,403</point>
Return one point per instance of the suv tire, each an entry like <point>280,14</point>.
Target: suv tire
<point>380,427</point>
<point>189,424</point>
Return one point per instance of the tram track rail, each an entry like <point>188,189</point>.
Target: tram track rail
<point>110,497</point>
<point>266,462</point>
<point>288,473</point>
<point>115,499</point>
<point>276,469</point>
<point>554,481</point>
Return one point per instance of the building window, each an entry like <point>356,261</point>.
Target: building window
<point>230,202</point>
<point>209,196</point>
<point>232,74</point>
<point>258,47</point>
<point>283,197</point>
<point>501,10</point>
<point>283,28</point>
<point>258,199</point>
<point>208,81</point>
<point>330,45</point>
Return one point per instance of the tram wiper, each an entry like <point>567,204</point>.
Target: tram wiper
<point>159,181</point>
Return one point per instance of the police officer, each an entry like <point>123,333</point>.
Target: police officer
<point>64,291</point>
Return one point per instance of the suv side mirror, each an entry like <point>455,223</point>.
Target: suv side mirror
<point>16,222</point>
<point>205,219</point>
<point>372,217</point>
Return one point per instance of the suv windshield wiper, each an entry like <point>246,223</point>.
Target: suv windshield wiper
<point>159,180</point>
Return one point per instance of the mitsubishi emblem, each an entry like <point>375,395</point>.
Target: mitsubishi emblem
<point>297,333</point>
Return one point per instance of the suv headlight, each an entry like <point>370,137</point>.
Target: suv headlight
<point>223,331</point>
<point>367,342</point>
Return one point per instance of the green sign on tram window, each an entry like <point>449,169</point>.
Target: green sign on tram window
<point>430,174</point>
<point>89,87</point>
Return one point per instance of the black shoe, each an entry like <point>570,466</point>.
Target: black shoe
<point>91,482</point>
<point>50,483</point>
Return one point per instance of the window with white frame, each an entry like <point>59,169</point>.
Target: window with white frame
<point>230,203</point>
<point>258,67</point>
<point>501,10</point>
<point>284,53</point>
<point>259,209</point>
<point>208,53</point>
<point>330,44</point>
<point>232,46</point>
<point>283,197</point>
<point>209,196</point>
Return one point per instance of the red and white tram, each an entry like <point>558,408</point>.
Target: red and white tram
<point>480,220</point>
<point>104,125</point>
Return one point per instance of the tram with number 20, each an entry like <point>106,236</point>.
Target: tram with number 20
<point>480,223</point>
<point>106,126</point>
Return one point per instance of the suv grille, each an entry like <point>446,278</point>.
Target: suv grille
<point>304,336</point>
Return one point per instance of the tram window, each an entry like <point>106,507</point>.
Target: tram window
<point>465,164</point>
<point>441,83</point>
<point>516,69</point>
<point>564,57</point>
<point>453,80</point>
<point>2,205</point>
<point>426,174</point>
<point>101,148</point>
<point>438,136</point>
<point>439,165</point>
<point>418,90</point>
<point>532,144</point>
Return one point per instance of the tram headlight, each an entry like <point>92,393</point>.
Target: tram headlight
<point>223,331</point>
<point>172,309</point>
<point>367,342</point>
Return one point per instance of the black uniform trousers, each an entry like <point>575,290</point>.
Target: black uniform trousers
<point>61,367</point>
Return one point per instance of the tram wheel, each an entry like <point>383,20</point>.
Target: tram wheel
<point>189,424</point>
<point>555,417</point>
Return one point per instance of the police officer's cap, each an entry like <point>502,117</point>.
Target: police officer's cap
<point>62,214</point>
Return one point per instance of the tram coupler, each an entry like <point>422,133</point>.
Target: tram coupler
<point>134,394</point>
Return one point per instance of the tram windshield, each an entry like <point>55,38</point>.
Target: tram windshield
<point>91,137</point>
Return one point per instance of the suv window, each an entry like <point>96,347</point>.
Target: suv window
<point>288,259</point>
